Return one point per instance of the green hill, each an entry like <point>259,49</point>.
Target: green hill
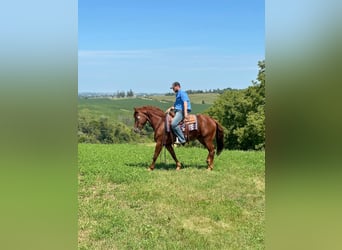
<point>121,110</point>
<point>207,98</point>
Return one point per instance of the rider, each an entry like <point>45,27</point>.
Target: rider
<point>182,107</point>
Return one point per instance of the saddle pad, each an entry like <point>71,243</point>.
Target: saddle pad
<point>191,126</point>
<point>191,123</point>
<point>191,119</point>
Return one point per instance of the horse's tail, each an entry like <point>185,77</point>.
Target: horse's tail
<point>219,138</point>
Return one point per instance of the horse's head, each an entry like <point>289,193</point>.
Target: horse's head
<point>140,119</point>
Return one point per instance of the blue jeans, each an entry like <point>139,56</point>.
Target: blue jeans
<point>174,125</point>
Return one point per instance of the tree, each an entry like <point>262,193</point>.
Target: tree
<point>130,93</point>
<point>101,130</point>
<point>120,94</point>
<point>242,113</point>
<point>106,131</point>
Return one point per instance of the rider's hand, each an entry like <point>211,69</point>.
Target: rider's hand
<point>169,109</point>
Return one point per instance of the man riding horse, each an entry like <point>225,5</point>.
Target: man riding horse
<point>181,107</point>
<point>206,130</point>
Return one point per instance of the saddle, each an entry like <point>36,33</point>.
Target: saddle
<point>191,119</point>
<point>186,126</point>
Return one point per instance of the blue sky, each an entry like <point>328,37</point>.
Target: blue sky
<point>147,45</point>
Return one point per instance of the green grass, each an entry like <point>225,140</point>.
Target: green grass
<point>123,206</point>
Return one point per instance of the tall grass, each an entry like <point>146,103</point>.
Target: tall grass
<point>123,206</point>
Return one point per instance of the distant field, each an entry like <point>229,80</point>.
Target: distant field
<point>208,98</point>
<point>122,109</point>
<point>123,206</point>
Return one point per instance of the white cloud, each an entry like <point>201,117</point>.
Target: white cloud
<point>113,53</point>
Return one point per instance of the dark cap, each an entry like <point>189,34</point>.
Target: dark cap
<point>175,84</point>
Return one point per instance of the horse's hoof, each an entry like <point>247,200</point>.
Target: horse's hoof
<point>150,169</point>
<point>209,169</point>
<point>178,166</point>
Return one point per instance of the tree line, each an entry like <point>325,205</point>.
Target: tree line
<point>122,94</point>
<point>206,91</point>
<point>118,94</point>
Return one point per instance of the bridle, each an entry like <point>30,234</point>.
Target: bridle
<point>137,122</point>
<point>148,119</point>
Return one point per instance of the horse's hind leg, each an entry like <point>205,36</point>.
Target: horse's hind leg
<point>210,158</point>
<point>173,154</point>
<point>211,149</point>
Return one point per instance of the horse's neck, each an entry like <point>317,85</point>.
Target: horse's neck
<point>155,121</point>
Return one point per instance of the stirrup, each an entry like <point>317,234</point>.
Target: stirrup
<point>177,142</point>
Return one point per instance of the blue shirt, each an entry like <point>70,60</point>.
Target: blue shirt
<point>181,97</point>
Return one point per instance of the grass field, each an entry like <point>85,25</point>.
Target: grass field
<point>123,206</point>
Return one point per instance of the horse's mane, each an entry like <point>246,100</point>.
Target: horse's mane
<point>152,110</point>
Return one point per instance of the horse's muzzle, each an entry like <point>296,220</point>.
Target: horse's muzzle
<point>136,130</point>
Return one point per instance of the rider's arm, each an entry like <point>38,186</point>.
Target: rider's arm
<point>185,109</point>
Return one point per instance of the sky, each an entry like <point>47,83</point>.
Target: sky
<point>147,45</point>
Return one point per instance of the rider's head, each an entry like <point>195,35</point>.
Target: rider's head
<point>175,86</point>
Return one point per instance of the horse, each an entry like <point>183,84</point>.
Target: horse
<point>208,129</point>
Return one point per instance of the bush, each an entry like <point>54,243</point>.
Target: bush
<point>102,131</point>
<point>242,113</point>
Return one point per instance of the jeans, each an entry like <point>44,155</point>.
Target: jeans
<point>174,125</point>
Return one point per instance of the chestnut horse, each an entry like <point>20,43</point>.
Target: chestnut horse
<point>208,128</point>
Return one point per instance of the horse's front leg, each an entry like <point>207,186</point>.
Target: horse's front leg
<point>173,154</point>
<point>157,150</point>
